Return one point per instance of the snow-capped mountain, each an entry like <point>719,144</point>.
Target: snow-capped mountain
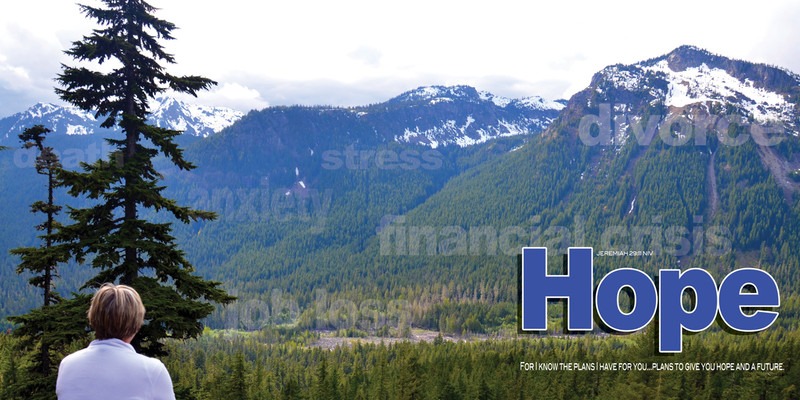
<point>192,119</point>
<point>431,116</point>
<point>694,101</point>
<point>65,120</point>
<point>169,113</point>
<point>472,116</point>
<point>291,145</point>
<point>438,94</point>
<point>691,80</point>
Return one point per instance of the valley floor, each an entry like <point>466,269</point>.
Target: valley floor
<point>329,340</point>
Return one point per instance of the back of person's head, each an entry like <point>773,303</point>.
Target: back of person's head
<point>116,312</point>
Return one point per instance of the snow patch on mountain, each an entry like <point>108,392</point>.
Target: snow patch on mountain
<point>451,132</point>
<point>539,103</point>
<point>485,116</point>
<point>697,84</point>
<point>703,84</point>
<point>79,130</point>
<point>426,137</point>
<point>497,100</point>
<point>532,103</point>
<point>622,78</point>
<point>439,94</point>
<point>428,92</point>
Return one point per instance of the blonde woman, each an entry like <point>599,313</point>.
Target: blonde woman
<point>110,368</point>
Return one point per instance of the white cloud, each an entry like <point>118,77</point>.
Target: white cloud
<point>362,51</point>
<point>367,54</point>
<point>780,38</point>
<point>233,95</point>
<point>14,78</point>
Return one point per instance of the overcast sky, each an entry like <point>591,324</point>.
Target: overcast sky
<point>353,52</point>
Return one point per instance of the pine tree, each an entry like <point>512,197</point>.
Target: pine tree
<point>382,378</point>
<point>10,372</point>
<point>237,381</point>
<point>408,381</point>
<point>291,390</point>
<point>122,244</point>
<point>322,388</point>
<point>333,384</point>
<point>44,331</point>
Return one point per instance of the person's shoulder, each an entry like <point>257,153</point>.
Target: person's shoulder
<point>73,357</point>
<point>157,372</point>
<point>151,363</point>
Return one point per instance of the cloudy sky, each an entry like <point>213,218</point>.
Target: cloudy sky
<point>352,52</point>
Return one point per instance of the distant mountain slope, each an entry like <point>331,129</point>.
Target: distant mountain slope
<point>289,144</point>
<point>193,119</point>
<point>650,189</point>
<point>471,117</point>
<point>649,147</point>
<point>615,171</point>
<point>700,100</point>
<point>316,177</point>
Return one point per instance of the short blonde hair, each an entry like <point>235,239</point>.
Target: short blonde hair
<point>116,312</point>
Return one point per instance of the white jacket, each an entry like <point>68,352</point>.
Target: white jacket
<point>111,369</point>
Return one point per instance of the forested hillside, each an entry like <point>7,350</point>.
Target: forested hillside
<point>325,217</point>
<point>451,253</point>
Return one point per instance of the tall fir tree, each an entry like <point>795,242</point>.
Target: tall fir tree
<point>409,380</point>
<point>322,387</point>
<point>44,332</point>
<point>42,260</point>
<point>123,245</point>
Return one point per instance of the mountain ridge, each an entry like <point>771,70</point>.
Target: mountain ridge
<point>282,139</point>
<point>689,75</point>
<point>166,112</point>
<point>439,93</point>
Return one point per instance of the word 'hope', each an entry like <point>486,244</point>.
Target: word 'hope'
<point>746,287</point>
